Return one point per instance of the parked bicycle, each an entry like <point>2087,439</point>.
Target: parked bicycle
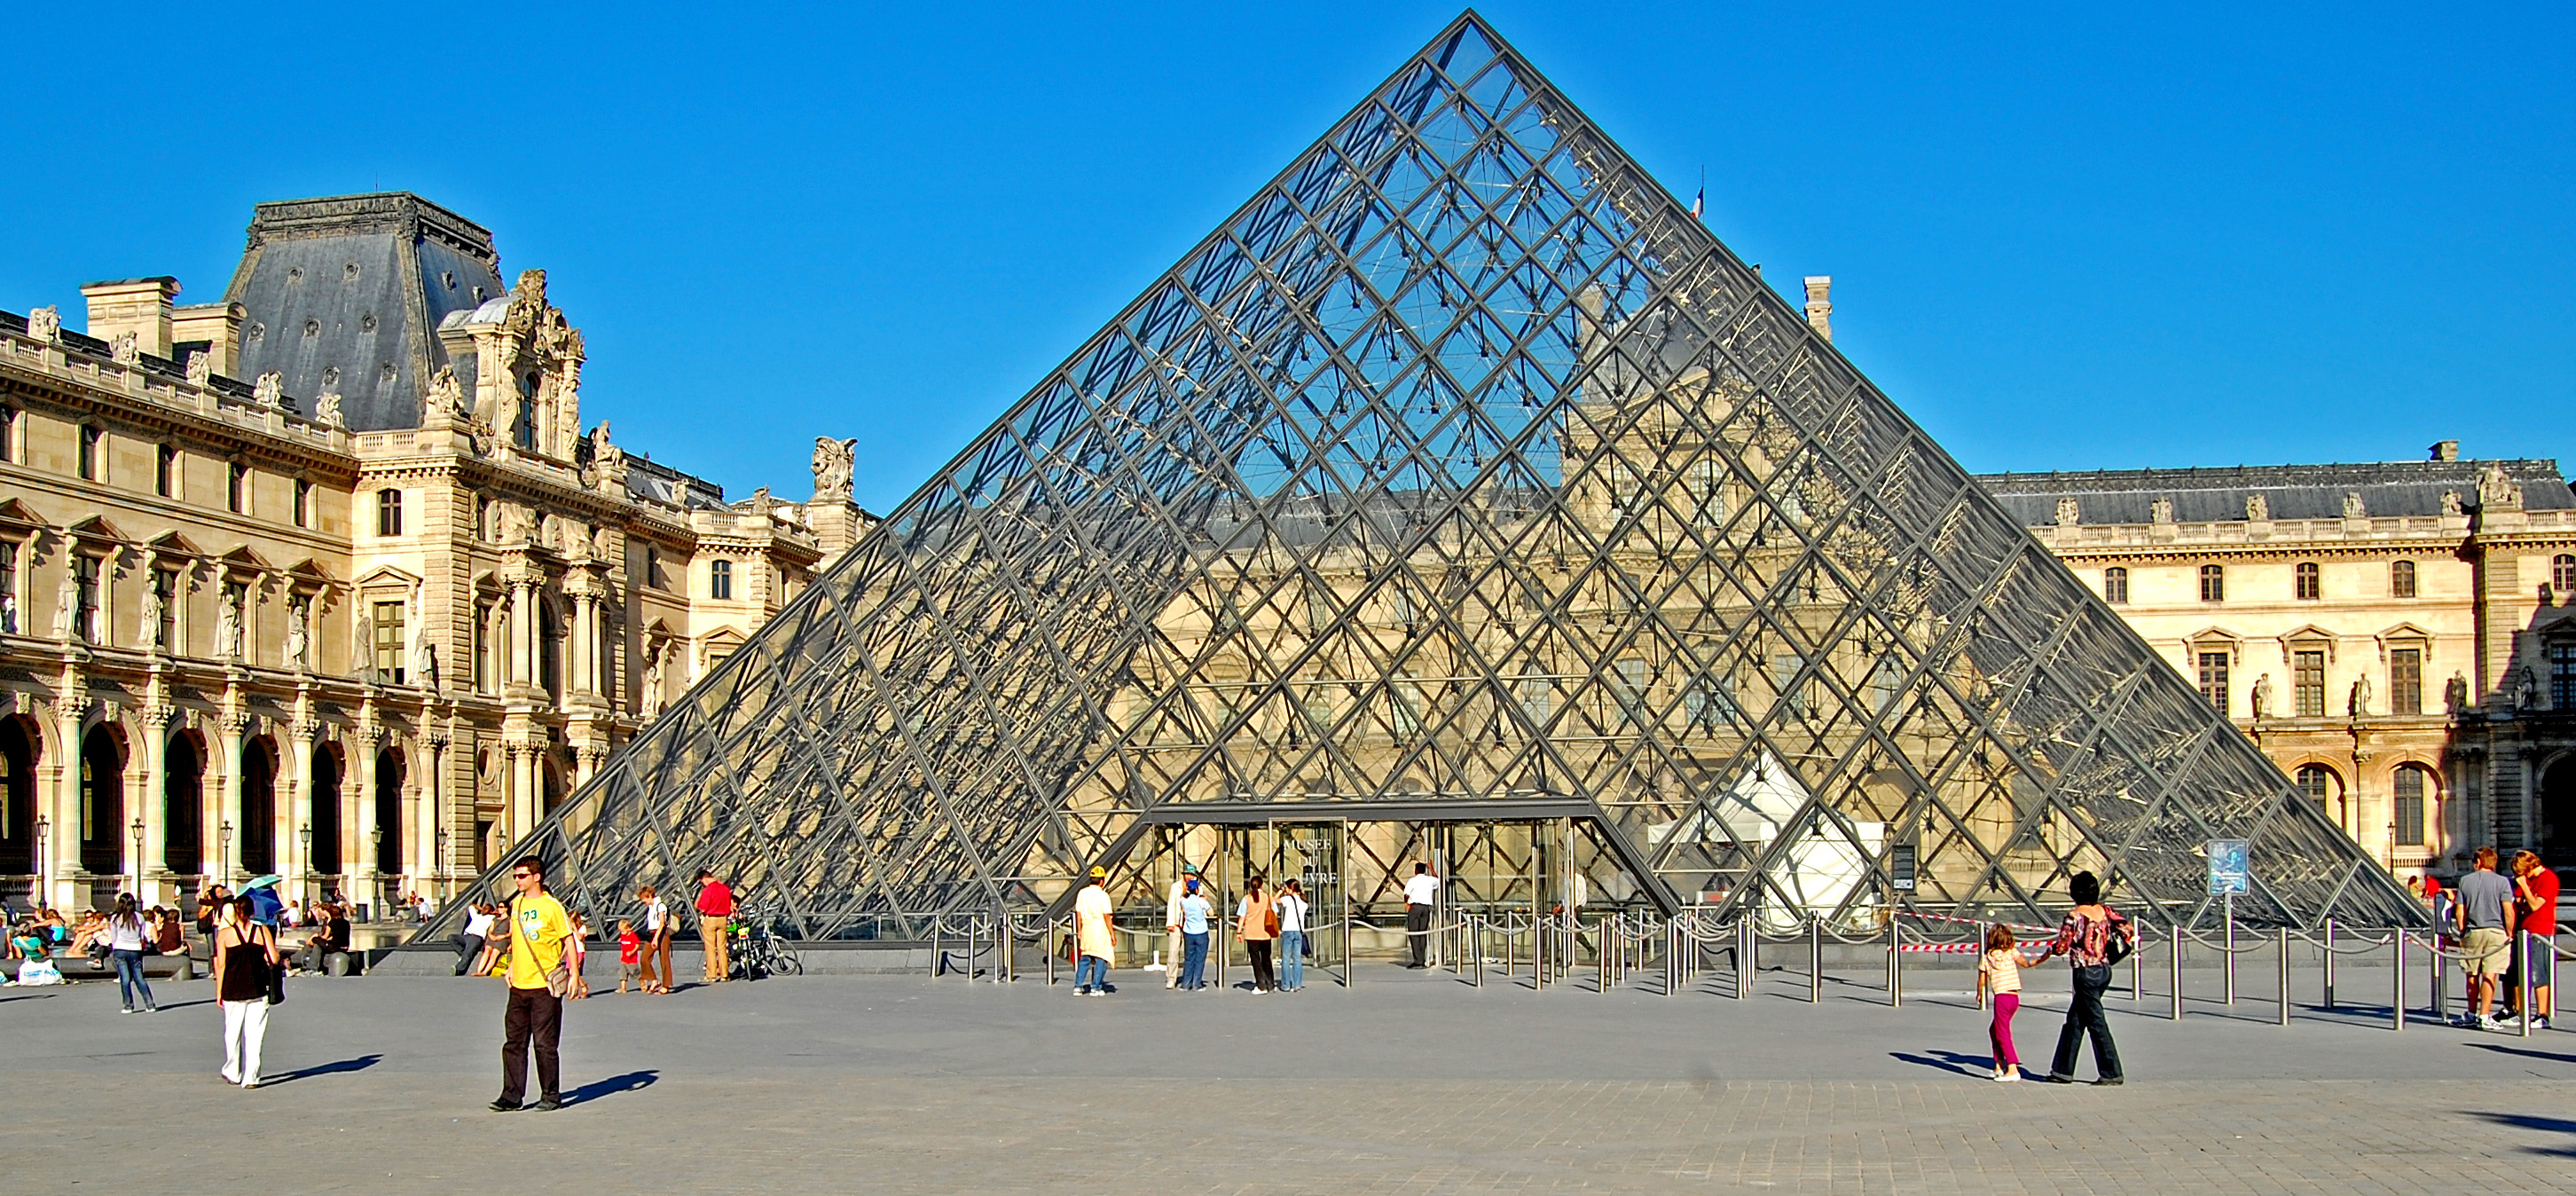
<point>756,951</point>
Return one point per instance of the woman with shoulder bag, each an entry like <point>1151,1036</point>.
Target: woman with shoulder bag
<point>1257,923</point>
<point>126,940</point>
<point>2092,938</point>
<point>246,964</point>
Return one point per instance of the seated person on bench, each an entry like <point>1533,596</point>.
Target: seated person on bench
<point>330,937</point>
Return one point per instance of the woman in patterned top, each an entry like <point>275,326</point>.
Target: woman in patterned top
<point>2086,938</point>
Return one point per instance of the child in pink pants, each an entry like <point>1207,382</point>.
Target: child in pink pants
<point>1999,976</point>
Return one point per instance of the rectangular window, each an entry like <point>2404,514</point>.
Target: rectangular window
<point>303,503</point>
<point>1708,704</point>
<point>2401,579</point>
<point>1538,696</point>
<point>389,512</point>
<point>2115,585</point>
<point>389,641</point>
<point>1408,710</point>
<point>720,579</point>
<point>482,648</point>
<point>8,433</point>
<point>91,441</point>
<point>2213,583</point>
<point>2562,676</point>
<point>1632,690</point>
<point>2308,680</point>
<point>9,586</point>
<point>1886,678</point>
<point>2406,681</point>
<point>236,487</point>
<point>2213,680</point>
<point>2410,807</point>
<point>1784,673</point>
<point>2311,583</point>
<point>85,620</point>
<point>165,470</point>
<point>652,566</point>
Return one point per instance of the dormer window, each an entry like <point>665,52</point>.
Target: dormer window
<point>525,434</point>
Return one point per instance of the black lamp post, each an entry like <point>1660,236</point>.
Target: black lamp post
<point>36,859</point>
<point>304,831</point>
<point>224,850</point>
<point>137,828</point>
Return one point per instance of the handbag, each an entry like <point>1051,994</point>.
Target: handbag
<point>276,973</point>
<point>1270,919</point>
<point>2119,942</point>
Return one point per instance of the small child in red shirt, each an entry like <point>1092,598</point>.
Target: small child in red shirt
<point>630,957</point>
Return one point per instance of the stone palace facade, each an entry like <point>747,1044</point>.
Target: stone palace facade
<point>2399,637</point>
<point>329,578</point>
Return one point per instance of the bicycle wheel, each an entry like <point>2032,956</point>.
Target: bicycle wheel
<point>789,963</point>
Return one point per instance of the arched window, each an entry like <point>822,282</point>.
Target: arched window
<point>2213,583</point>
<point>2401,579</point>
<point>2410,785</point>
<point>2115,585</point>
<point>322,813</point>
<point>2311,585</point>
<point>389,821</point>
<point>257,816</point>
<point>183,774</point>
<point>2318,782</point>
<point>102,803</point>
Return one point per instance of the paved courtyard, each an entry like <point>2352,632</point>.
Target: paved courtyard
<point>1409,1082</point>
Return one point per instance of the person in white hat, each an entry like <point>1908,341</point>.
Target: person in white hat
<point>1095,944</point>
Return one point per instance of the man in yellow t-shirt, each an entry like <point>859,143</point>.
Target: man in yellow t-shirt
<point>538,928</point>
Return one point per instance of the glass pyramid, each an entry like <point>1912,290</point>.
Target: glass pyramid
<point>1460,481</point>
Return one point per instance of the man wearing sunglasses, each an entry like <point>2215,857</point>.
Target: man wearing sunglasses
<point>538,981</point>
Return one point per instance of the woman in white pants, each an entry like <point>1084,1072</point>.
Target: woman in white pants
<point>244,954</point>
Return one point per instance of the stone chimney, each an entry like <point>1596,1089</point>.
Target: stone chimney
<point>141,306</point>
<point>1820,310</point>
<point>2446,450</point>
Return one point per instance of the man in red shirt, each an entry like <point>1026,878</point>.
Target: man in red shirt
<point>2535,905</point>
<point>715,911</point>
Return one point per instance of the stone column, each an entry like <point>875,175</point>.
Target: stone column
<point>155,770</point>
<point>578,659</point>
<point>523,632</point>
<point>62,828</point>
<point>422,791</point>
<point>293,856</point>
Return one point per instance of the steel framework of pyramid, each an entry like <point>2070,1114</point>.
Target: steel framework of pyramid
<point>1462,493</point>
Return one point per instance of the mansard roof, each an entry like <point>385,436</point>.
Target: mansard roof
<point>2215,495</point>
<point>346,293</point>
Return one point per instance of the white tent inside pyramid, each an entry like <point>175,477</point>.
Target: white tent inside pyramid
<point>1462,494</point>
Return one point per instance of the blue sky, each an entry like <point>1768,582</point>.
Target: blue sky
<point>2200,235</point>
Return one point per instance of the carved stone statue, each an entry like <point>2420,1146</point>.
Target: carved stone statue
<point>269,391</point>
<point>201,368</point>
<point>2361,695</point>
<point>228,637</point>
<point>652,697</point>
<point>2451,503</point>
<point>424,661</point>
<point>518,525</point>
<point>2160,511</point>
<point>366,653</point>
<point>2069,511</point>
<point>2496,490</point>
<point>45,323</point>
<point>444,399</point>
<point>9,613</point>
<point>2263,696</point>
<point>833,458</point>
<point>2258,509</point>
<point>298,637</point>
<point>326,410</point>
<point>2352,506</point>
<point>125,348</point>
<point>66,607</point>
<point>150,623</point>
<point>2455,694</point>
<point>2526,689</point>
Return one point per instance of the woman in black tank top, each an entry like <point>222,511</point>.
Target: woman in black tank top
<point>244,953</point>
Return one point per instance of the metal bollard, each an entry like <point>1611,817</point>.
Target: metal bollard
<point>1815,962</point>
<point>2397,981</point>
<point>2137,972</point>
<point>2441,1001</point>
<point>2330,956</point>
<point>1748,947</point>
<point>2230,919</point>
<point>2522,969</point>
<point>1895,965</point>
<point>2283,937</point>
<point>2173,966</point>
<point>938,949</point>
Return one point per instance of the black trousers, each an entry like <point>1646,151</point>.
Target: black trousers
<point>1259,949</point>
<point>2085,1017</point>
<point>534,1015</point>
<point>1417,930</point>
<point>469,947</point>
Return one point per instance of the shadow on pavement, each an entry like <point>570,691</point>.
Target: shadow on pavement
<point>2526,1121</point>
<point>2552,1056</point>
<point>594,1090</point>
<point>24,997</point>
<point>361,1063</point>
<point>1976,1066</point>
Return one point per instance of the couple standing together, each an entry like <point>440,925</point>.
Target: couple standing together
<point>1260,921</point>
